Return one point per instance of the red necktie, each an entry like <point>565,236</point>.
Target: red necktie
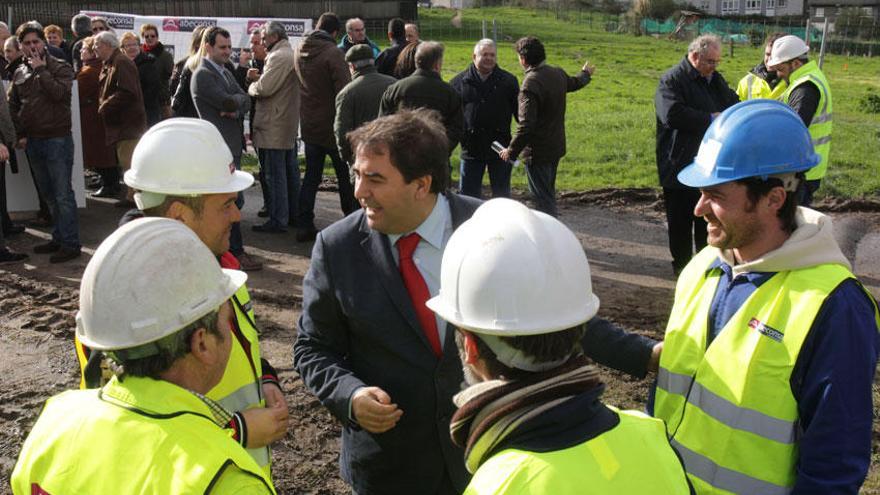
<point>418,289</point>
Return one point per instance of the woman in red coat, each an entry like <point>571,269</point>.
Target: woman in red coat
<point>96,154</point>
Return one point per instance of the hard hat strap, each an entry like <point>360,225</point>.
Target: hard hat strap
<point>515,358</point>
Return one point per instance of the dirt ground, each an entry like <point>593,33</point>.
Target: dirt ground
<point>623,233</point>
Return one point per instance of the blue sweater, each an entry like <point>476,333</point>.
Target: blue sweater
<point>831,381</point>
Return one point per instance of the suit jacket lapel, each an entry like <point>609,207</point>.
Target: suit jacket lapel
<point>378,249</point>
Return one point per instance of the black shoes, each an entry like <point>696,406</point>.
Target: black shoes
<point>61,253</point>
<point>107,192</point>
<point>49,247</point>
<point>8,257</point>
<point>65,254</point>
<point>306,235</point>
<point>263,213</point>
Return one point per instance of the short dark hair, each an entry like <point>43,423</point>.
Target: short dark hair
<point>210,35</point>
<point>81,25</point>
<point>28,28</point>
<point>397,28</point>
<point>170,349</point>
<point>328,22</point>
<point>415,141</point>
<point>542,348</point>
<point>531,50</point>
<point>428,54</point>
<point>756,188</point>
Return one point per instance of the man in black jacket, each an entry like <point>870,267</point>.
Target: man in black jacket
<point>425,89</point>
<point>387,60</point>
<point>689,96</point>
<point>489,96</point>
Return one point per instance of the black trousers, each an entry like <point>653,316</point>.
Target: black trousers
<point>687,233</point>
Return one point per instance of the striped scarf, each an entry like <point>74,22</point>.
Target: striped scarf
<point>490,412</point>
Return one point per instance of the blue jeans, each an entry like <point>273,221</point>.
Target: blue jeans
<point>282,177</point>
<point>52,162</point>
<point>236,243</point>
<point>471,182</point>
<point>542,184</point>
<point>315,155</point>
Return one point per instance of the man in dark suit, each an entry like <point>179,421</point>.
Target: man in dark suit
<point>220,100</point>
<point>368,347</point>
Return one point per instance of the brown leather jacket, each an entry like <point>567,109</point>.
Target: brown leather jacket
<point>39,100</point>
<point>541,130</point>
<point>121,103</point>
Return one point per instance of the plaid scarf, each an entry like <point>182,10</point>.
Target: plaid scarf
<point>490,412</point>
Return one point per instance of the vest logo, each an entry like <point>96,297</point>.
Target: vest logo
<point>766,330</point>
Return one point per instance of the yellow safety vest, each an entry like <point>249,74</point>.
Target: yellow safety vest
<point>820,126</point>
<point>138,435</point>
<point>729,408</point>
<point>634,457</point>
<point>753,87</point>
<point>240,388</point>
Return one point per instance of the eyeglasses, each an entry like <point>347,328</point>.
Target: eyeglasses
<point>710,62</point>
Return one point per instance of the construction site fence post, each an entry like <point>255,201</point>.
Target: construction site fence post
<point>822,46</point>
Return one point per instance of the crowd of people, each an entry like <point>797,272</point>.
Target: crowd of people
<point>315,93</point>
<point>452,338</point>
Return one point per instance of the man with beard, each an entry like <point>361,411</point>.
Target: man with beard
<point>532,420</point>
<point>772,343</point>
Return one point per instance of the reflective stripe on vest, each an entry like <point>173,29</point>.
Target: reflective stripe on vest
<point>750,82</point>
<point>822,122</point>
<point>240,388</point>
<point>127,423</point>
<point>634,457</point>
<point>715,399</point>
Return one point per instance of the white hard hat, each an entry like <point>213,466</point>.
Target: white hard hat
<point>513,271</point>
<point>147,280</point>
<point>787,48</point>
<point>183,157</point>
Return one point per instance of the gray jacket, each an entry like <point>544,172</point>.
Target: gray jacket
<point>357,104</point>
<point>215,92</point>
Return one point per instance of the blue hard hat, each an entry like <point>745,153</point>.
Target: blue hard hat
<point>755,138</point>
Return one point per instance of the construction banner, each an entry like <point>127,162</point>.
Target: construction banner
<point>175,33</point>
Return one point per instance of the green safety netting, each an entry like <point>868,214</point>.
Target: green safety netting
<point>727,29</point>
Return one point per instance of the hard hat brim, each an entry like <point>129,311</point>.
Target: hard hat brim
<point>440,306</point>
<point>238,181</point>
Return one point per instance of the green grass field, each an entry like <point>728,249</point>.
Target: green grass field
<point>610,123</point>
